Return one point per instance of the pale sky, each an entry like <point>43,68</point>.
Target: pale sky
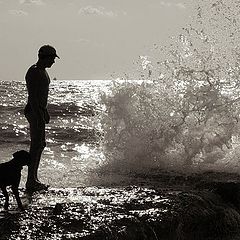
<point>93,38</point>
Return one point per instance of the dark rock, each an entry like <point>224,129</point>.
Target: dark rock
<point>57,209</point>
<point>8,224</point>
<point>131,213</point>
<point>229,192</point>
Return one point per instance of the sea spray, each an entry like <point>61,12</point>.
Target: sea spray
<point>188,113</point>
<point>137,125</point>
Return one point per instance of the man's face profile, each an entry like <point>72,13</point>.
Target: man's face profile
<point>49,61</point>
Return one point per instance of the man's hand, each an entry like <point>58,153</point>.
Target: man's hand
<point>46,116</point>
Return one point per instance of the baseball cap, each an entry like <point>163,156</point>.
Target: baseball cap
<point>47,50</point>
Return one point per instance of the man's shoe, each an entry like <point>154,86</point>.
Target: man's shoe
<point>36,186</point>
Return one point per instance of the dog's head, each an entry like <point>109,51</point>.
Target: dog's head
<point>22,157</point>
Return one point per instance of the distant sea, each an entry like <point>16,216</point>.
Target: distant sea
<point>72,135</point>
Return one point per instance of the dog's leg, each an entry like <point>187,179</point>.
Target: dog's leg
<point>16,194</point>
<point>5,193</point>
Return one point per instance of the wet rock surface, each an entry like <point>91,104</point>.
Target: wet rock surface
<point>210,211</point>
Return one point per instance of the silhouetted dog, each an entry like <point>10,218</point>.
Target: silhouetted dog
<point>10,175</point>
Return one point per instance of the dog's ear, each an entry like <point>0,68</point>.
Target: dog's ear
<point>24,155</point>
<point>22,158</point>
<point>17,154</point>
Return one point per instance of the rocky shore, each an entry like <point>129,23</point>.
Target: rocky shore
<point>207,210</point>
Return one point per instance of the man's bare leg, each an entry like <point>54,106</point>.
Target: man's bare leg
<point>33,184</point>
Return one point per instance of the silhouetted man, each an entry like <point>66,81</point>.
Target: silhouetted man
<point>38,81</point>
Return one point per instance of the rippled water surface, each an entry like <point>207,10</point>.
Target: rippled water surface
<point>128,114</point>
<point>72,135</point>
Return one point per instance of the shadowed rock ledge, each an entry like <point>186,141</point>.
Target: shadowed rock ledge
<point>211,211</point>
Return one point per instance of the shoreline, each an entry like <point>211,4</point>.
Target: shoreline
<point>207,210</point>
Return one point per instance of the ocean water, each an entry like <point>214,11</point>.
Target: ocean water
<point>72,135</point>
<point>109,132</point>
<point>75,152</point>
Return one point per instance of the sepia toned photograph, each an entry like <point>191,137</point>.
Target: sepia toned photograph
<point>119,119</point>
